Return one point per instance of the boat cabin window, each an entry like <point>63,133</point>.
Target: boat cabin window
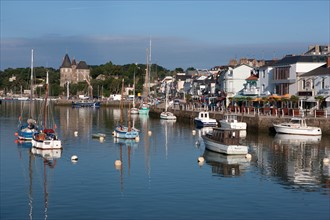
<point>295,121</point>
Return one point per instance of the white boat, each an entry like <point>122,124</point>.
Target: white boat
<point>224,140</point>
<point>297,126</point>
<point>230,121</point>
<point>204,120</point>
<point>166,114</point>
<point>98,135</point>
<point>122,131</point>
<point>46,138</point>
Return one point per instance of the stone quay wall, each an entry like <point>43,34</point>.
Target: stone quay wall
<point>255,122</point>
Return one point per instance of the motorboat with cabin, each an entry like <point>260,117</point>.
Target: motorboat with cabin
<point>224,140</point>
<point>297,126</point>
<point>231,121</point>
<point>204,120</point>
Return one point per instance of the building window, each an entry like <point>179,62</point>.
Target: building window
<point>263,74</point>
<point>303,84</point>
<point>322,83</point>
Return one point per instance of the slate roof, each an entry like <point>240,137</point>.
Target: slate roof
<point>66,62</point>
<point>82,65</point>
<point>322,70</point>
<point>290,59</point>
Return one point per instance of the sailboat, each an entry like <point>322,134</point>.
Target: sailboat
<point>122,131</point>
<point>26,130</point>
<point>144,109</point>
<point>134,110</point>
<point>166,114</point>
<point>46,137</point>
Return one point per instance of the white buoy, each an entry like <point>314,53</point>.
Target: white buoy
<point>248,156</point>
<point>149,133</point>
<point>200,159</point>
<point>101,139</point>
<point>74,158</point>
<point>75,133</point>
<point>193,132</point>
<point>118,163</point>
<point>137,139</point>
<point>326,161</point>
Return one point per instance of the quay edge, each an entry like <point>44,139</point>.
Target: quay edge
<point>255,123</point>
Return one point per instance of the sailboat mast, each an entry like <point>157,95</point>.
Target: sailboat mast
<point>166,94</point>
<point>134,89</point>
<point>31,82</point>
<point>121,102</point>
<point>45,104</point>
<point>31,86</point>
<point>145,91</point>
<point>149,67</point>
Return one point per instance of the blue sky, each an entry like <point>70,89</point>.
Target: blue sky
<point>200,34</point>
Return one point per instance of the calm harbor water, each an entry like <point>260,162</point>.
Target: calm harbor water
<point>160,177</point>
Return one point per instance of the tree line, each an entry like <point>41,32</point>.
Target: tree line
<point>110,83</point>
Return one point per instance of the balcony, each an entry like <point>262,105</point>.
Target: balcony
<point>251,91</point>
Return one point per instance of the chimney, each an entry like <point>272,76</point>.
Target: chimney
<point>328,62</point>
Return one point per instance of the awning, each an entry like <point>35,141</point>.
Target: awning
<point>311,99</point>
<point>286,96</point>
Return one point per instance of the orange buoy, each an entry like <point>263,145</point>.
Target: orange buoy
<point>16,133</point>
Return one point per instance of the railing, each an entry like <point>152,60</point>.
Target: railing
<point>272,112</point>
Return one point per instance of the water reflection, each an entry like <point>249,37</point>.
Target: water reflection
<point>296,161</point>
<point>40,165</point>
<point>226,165</point>
<point>296,140</point>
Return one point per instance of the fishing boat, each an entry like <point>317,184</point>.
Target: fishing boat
<point>204,120</point>
<point>166,114</point>
<point>89,102</point>
<point>224,140</point>
<point>122,131</point>
<point>46,138</point>
<point>230,121</point>
<point>297,126</point>
<point>26,130</point>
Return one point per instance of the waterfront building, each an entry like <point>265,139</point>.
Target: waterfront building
<point>71,72</point>
<point>231,80</point>
<point>287,73</point>
<point>265,74</point>
<point>317,83</point>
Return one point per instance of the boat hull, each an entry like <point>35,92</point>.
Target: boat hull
<point>205,123</point>
<point>122,132</point>
<point>297,130</point>
<point>25,132</point>
<point>47,144</point>
<point>144,111</point>
<point>134,111</point>
<point>215,146</point>
<point>86,104</point>
<point>167,116</point>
